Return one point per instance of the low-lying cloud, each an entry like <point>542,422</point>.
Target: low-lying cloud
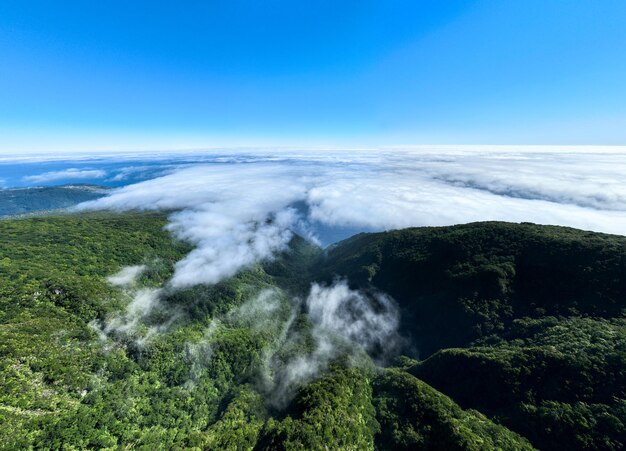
<point>367,320</point>
<point>141,302</point>
<point>342,323</point>
<point>234,215</point>
<point>238,210</point>
<point>126,276</point>
<point>66,174</point>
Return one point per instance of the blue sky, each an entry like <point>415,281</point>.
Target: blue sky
<point>115,75</point>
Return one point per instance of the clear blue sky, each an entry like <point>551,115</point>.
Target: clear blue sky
<point>113,74</point>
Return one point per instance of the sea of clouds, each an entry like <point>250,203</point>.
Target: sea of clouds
<point>240,209</point>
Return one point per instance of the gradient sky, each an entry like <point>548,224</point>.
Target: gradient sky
<point>78,75</point>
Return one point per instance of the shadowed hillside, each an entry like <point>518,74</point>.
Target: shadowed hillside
<point>456,284</point>
<point>522,322</point>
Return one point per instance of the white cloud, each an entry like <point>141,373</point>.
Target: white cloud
<point>344,322</point>
<point>126,276</point>
<point>239,211</point>
<point>368,321</point>
<point>235,215</point>
<point>131,322</point>
<point>66,174</point>
<point>144,301</point>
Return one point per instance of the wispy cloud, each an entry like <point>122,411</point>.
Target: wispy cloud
<point>343,323</point>
<point>126,276</point>
<point>370,321</point>
<point>66,174</point>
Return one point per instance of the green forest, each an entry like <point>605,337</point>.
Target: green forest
<point>510,337</point>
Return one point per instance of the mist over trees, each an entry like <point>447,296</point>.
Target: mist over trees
<point>484,336</point>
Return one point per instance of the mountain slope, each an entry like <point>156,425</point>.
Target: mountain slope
<point>456,284</point>
<point>522,322</point>
<point>87,363</point>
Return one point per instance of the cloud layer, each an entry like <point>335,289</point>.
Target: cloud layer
<point>66,174</point>
<point>239,209</point>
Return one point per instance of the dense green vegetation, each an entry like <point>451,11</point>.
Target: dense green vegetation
<point>559,382</point>
<point>457,284</point>
<point>413,415</point>
<point>520,329</point>
<point>524,323</point>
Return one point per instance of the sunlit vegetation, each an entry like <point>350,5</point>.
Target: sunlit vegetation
<point>515,334</point>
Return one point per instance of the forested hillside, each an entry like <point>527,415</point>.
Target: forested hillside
<point>459,283</point>
<point>513,338</point>
<point>524,323</point>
